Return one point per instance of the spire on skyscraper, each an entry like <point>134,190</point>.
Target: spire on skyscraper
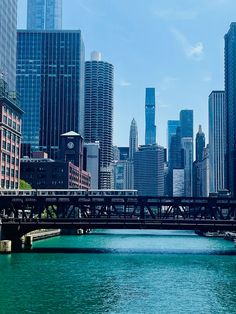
<point>133,139</point>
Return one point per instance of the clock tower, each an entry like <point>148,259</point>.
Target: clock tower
<point>71,148</point>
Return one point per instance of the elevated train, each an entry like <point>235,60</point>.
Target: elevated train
<point>68,192</point>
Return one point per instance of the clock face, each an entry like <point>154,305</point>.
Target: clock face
<point>70,145</point>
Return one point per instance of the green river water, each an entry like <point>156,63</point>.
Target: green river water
<point>121,272</point>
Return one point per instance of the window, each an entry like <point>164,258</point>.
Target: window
<point>7,184</point>
<point>3,169</point>
<point>2,183</point>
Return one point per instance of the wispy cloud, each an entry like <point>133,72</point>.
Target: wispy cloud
<point>124,83</point>
<point>175,14</point>
<point>168,82</point>
<point>194,51</point>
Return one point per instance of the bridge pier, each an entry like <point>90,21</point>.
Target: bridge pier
<point>11,234</point>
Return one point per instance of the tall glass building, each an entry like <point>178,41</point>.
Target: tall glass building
<point>133,139</point>
<point>50,80</point>
<point>8,19</point>
<point>200,144</point>
<point>217,144</point>
<point>44,14</point>
<point>230,102</point>
<point>186,123</point>
<point>149,170</point>
<point>150,107</point>
<point>172,126</point>
<point>99,89</point>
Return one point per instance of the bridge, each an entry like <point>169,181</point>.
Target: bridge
<point>20,214</point>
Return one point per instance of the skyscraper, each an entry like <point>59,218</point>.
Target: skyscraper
<point>186,123</point>
<point>150,107</point>
<point>99,86</point>
<point>200,144</point>
<point>44,14</point>
<point>230,102</point>
<point>187,146</point>
<point>217,144</point>
<point>133,139</point>
<point>171,130</point>
<point>149,170</point>
<point>50,80</point>
<point>8,15</point>
<point>198,163</point>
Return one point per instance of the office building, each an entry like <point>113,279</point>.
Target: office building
<point>50,80</point>
<point>8,20</point>
<point>205,173</point>
<point>122,172</point>
<point>187,146</point>
<point>124,153</point>
<point>149,170</point>
<point>44,14</point>
<point>200,144</point>
<point>230,109</point>
<point>186,123</point>
<point>133,139</point>
<point>46,173</point>
<point>99,88</point>
<point>217,143</point>
<point>178,182</point>
<point>150,108</point>
<point>172,126</point>
<point>10,130</point>
<point>92,162</point>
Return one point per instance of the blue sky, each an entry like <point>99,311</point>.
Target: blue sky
<point>176,46</point>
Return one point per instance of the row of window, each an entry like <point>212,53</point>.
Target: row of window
<point>8,159</point>
<point>11,136</point>
<point>13,149</point>
<point>7,171</point>
<point>14,185</point>
<point>12,124</point>
<point>10,113</point>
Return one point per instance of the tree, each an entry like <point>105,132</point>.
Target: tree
<point>25,185</point>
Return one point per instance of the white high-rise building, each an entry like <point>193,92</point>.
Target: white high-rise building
<point>8,19</point>
<point>44,14</point>
<point>92,163</point>
<point>98,122</point>
<point>217,133</point>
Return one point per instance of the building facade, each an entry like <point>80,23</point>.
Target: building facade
<point>92,162</point>
<point>133,139</point>
<point>10,138</point>
<point>50,80</point>
<point>230,102</point>
<point>187,146</point>
<point>99,89</point>
<point>150,110</point>
<point>217,140</point>
<point>186,123</point>
<point>149,170</point>
<point>44,14</point>
<point>45,173</point>
<point>172,126</point>
<point>8,23</point>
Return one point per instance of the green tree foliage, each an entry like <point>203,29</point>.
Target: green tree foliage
<point>25,185</point>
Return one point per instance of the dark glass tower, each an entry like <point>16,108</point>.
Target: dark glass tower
<point>186,123</point>
<point>8,15</point>
<point>133,139</point>
<point>150,107</point>
<point>44,14</point>
<point>171,130</point>
<point>50,80</point>
<point>200,144</point>
<point>230,102</point>
<point>99,86</point>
